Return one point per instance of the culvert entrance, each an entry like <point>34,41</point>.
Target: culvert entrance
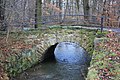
<point>63,61</point>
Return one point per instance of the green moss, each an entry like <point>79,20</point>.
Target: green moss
<point>17,64</point>
<point>99,34</point>
<point>92,75</point>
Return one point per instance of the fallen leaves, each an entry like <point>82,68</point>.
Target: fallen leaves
<point>112,46</point>
<point>13,47</point>
<point>106,59</point>
<point>3,75</point>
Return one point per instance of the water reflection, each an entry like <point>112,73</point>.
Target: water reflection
<point>67,52</point>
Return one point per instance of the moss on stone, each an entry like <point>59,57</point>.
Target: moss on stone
<point>17,64</point>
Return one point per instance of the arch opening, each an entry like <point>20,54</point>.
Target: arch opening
<point>67,52</point>
<point>71,52</point>
<point>49,54</point>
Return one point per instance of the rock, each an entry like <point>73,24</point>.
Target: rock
<point>32,36</point>
<point>98,40</point>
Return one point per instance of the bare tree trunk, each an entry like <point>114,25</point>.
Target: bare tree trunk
<point>78,7</point>
<point>38,13</point>
<point>65,10</point>
<point>3,27</point>
<point>1,10</point>
<point>94,5</point>
<point>86,9</point>
<point>60,14</point>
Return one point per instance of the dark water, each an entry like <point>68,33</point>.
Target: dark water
<point>71,64</point>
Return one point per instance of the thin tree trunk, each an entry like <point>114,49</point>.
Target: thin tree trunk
<point>1,10</point>
<point>3,27</point>
<point>77,1</point>
<point>65,10</point>
<point>38,13</point>
<point>94,6</point>
<point>60,14</point>
<point>86,9</point>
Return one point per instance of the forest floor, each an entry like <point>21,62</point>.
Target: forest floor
<point>12,45</point>
<point>105,63</point>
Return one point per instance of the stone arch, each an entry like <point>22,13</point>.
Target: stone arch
<point>49,38</point>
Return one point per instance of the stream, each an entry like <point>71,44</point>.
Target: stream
<point>71,63</point>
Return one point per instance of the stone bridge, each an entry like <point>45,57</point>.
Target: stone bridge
<point>46,39</point>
